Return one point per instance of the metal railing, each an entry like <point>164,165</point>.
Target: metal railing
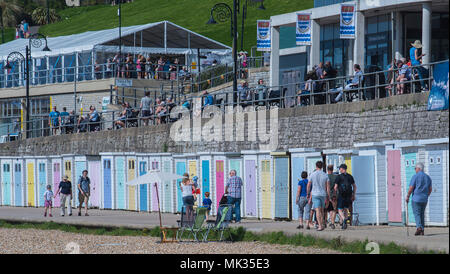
<point>311,92</point>
<point>185,75</point>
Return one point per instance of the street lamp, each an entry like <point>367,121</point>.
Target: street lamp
<point>222,12</point>
<point>35,41</point>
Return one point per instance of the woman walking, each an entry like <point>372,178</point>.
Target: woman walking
<point>302,201</point>
<point>187,188</point>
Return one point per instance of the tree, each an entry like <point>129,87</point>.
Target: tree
<point>39,16</point>
<point>9,11</point>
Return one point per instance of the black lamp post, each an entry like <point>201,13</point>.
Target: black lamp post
<point>223,12</point>
<point>36,41</point>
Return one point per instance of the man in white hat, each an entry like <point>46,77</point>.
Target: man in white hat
<point>416,55</point>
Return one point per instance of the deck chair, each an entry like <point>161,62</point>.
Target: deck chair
<point>224,217</point>
<point>187,220</point>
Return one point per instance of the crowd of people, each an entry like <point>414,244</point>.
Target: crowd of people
<point>64,122</point>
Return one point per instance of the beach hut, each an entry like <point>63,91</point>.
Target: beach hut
<point>84,163</point>
<point>42,178</point>
<point>369,172</point>
<point>205,174</point>
<point>143,190</point>
<point>298,165</point>
<point>169,188</point>
<point>155,165</point>
<point>180,169</point>
<point>436,166</point>
<point>56,173</point>
<point>266,191</point>
<point>120,173</point>
<point>95,175</point>
<point>69,170</point>
<point>132,191</point>
<point>19,181</point>
<point>6,181</point>
<point>30,180</point>
<point>251,183</point>
<point>394,182</point>
<point>108,198</point>
<point>281,185</point>
<point>218,179</point>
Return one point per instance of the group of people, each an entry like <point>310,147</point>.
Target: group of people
<point>232,196</point>
<point>65,122</point>
<point>320,196</point>
<point>141,67</point>
<point>405,69</point>
<point>65,195</point>
<point>23,30</point>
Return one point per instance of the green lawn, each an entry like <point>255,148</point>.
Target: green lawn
<point>191,14</point>
<point>9,34</point>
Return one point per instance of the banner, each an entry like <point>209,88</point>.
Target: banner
<point>263,35</point>
<point>348,16</point>
<point>438,98</point>
<point>303,29</point>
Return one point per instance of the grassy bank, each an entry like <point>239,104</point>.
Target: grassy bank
<point>238,234</point>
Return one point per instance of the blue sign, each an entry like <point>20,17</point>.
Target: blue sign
<point>438,98</point>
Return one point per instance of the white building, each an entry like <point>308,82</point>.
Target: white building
<point>384,28</point>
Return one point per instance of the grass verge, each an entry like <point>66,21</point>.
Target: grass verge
<point>237,234</point>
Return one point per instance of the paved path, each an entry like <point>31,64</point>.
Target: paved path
<point>435,238</point>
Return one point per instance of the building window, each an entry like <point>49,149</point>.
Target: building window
<point>378,41</point>
<point>333,48</point>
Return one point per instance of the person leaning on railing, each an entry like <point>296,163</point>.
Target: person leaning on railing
<point>404,74</point>
<point>352,84</point>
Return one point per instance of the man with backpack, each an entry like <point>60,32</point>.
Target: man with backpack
<point>345,188</point>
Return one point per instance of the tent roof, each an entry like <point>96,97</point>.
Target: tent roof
<point>152,37</point>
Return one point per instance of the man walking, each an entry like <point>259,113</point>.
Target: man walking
<point>318,192</point>
<point>345,188</point>
<point>65,191</point>
<point>234,190</point>
<point>420,187</point>
<point>332,205</point>
<point>84,191</point>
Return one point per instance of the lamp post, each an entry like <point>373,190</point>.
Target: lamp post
<point>224,12</point>
<point>119,12</point>
<point>36,41</point>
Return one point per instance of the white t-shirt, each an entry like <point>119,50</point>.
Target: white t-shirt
<point>186,190</point>
<point>48,195</point>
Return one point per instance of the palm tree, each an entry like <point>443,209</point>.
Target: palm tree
<point>9,10</point>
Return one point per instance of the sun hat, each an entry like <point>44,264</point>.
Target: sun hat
<point>417,44</point>
<point>65,177</point>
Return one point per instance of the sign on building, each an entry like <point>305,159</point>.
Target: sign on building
<point>303,29</point>
<point>348,15</point>
<point>263,35</point>
<point>124,82</point>
<point>105,102</point>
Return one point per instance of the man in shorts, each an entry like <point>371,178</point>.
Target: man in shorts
<point>346,189</point>
<point>54,120</point>
<point>318,192</point>
<point>84,191</point>
<point>332,205</point>
<point>146,110</point>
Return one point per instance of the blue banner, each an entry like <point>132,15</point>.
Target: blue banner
<point>263,35</point>
<point>347,26</point>
<point>438,98</point>
<point>303,30</point>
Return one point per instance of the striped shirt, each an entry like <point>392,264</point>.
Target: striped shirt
<point>234,185</point>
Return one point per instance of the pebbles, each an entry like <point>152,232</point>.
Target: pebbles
<point>34,241</point>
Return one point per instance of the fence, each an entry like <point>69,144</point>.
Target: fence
<point>372,86</point>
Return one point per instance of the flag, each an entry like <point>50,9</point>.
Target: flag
<point>303,29</point>
<point>263,35</point>
<point>348,15</point>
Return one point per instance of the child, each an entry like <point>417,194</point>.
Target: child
<point>48,201</point>
<point>207,203</point>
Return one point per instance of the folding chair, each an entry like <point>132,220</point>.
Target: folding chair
<point>193,223</point>
<point>187,220</point>
<point>224,217</point>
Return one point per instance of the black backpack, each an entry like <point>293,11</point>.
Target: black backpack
<point>345,185</point>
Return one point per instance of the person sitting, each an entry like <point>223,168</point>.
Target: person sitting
<point>123,115</point>
<point>160,111</point>
<point>243,90</point>
<point>208,99</point>
<point>308,87</point>
<point>404,74</point>
<point>83,123</point>
<point>94,119</point>
<point>261,91</point>
<point>352,84</point>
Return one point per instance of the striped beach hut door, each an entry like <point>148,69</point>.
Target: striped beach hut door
<point>143,189</point>
<point>131,189</point>
<point>436,199</point>
<point>168,189</point>
<point>205,178</point>
<point>31,175</point>
<point>266,196</point>
<point>94,176</point>
<point>298,166</point>
<point>409,164</point>
<point>6,184</point>
<point>364,175</point>
<point>18,187</point>
<point>56,168</point>
<point>180,167</point>
<point>394,186</point>
<point>281,182</point>
<point>250,188</point>
<point>120,182</point>
<point>107,184</point>
<point>220,180</point>
<point>42,182</point>
<point>155,166</point>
